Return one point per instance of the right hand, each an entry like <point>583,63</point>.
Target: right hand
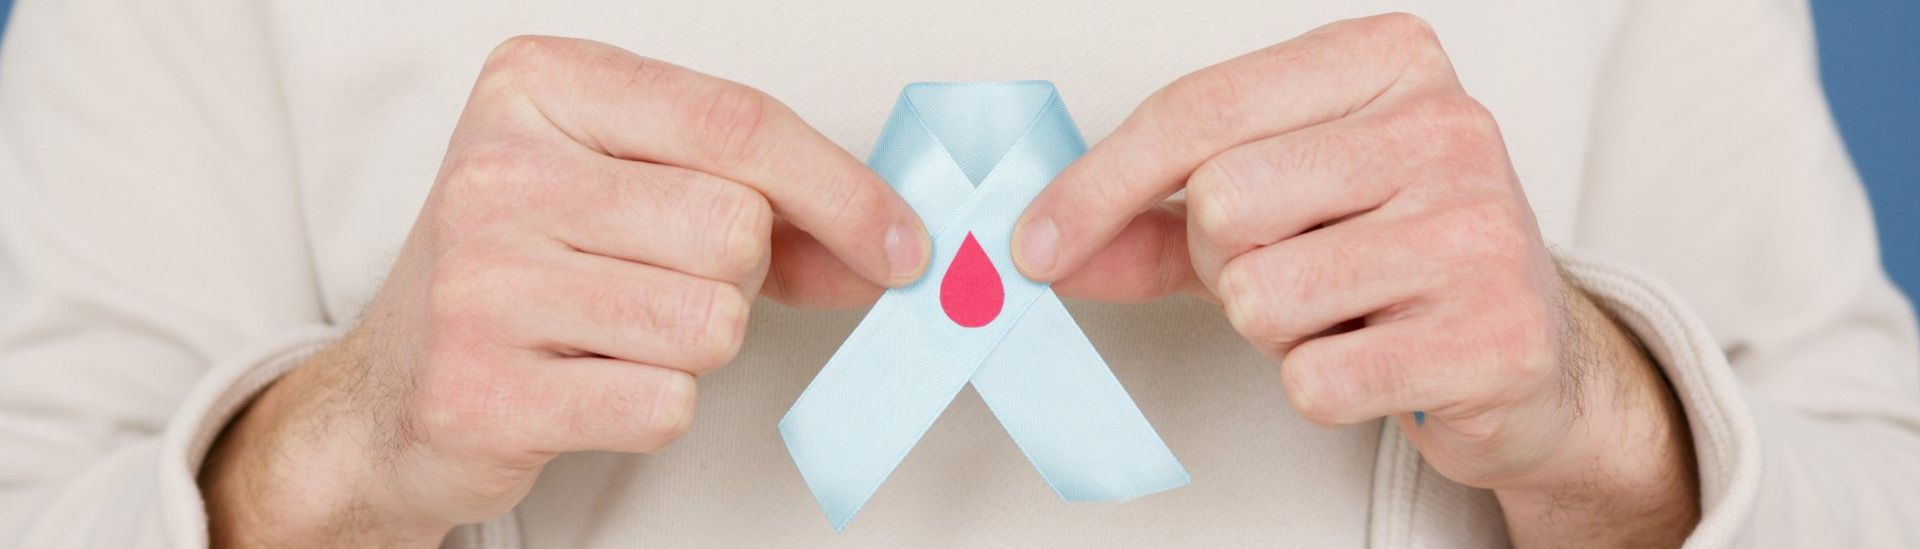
<point>598,230</point>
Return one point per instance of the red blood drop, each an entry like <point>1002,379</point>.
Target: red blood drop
<point>971,293</point>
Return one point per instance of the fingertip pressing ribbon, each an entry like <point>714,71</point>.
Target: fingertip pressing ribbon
<point>969,157</point>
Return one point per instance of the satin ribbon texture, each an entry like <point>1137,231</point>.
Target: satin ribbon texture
<point>969,157</point>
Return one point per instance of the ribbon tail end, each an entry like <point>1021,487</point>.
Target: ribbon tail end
<point>1128,489</point>
<point>833,496</point>
<point>839,523</point>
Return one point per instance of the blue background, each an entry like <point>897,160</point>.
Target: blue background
<point>1870,60</point>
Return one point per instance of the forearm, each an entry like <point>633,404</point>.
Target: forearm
<point>299,467</point>
<point>1627,475</point>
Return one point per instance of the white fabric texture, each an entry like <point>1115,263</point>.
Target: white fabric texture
<point>196,195</point>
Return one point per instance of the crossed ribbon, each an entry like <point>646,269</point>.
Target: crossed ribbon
<point>969,157</point>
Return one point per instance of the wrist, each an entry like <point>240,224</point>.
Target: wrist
<point>1625,472</point>
<point>298,467</point>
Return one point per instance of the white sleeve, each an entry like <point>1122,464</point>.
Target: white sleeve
<point>152,232</point>
<point>1723,223</point>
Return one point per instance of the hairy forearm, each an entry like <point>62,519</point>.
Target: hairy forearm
<point>296,468</point>
<point>1627,476</point>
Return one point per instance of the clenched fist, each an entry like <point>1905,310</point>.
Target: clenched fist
<point>597,233</point>
<point>1354,212</point>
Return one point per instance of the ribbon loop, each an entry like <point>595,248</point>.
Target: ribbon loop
<point>969,157</point>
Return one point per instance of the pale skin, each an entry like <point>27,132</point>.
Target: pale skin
<point>602,222</point>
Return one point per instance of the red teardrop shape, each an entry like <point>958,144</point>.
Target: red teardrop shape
<point>971,293</point>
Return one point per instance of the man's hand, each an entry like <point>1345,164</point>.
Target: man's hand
<point>1356,215</point>
<point>599,228</point>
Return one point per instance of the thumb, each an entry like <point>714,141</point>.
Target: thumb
<point>1147,260</point>
<point>1092,200</point>
<point>804,273</point>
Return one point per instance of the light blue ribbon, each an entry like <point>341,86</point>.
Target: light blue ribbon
<point>969,157</point>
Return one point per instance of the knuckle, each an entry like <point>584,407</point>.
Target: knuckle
<point>1247,296</point>
<point>1330,385</point>
<point>667,409</point>
<point>1451,130</point>
<point>1322,157</point>
<point>1213,198</point>
<point>479,186</point>
<point>1406,28</point>
<point>520,51</point>
<point>727,123</point>
<point>451,395</point>
<point>1463,123</point>
<point>1299,274</point>
<point>1472,114</point>
<point>653,413</point>
<point>487,166</point>
<point>706,320</point>
<point>1324,154</point>
<point>723,326</point>
<point>745,223</point>
<point>517,57</point>
<point>1486,233</point>
<point>1411,40</point>
<point>616,306</point>
<point>1230,185</point>
<point>646,71</point>
<point>465,289</point>
<point>504,179</point>
<point>1302,378</point>
<point>1301,281</point>
<point>670,316</point>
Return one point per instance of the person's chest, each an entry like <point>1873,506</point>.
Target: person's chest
<point>374,89</point>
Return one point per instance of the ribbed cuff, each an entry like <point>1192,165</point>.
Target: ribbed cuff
<point>204,414</point>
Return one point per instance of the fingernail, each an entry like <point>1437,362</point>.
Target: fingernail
<point>676,406</point>
<point>906,252</point>
<point>1039,247</point>
<point>1228,287</point>
<point>1302,394</point>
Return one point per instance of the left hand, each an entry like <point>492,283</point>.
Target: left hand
<point>1355,213</point>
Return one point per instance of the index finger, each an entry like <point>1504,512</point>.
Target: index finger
<point>1317,77</point>
<point>635,108</point>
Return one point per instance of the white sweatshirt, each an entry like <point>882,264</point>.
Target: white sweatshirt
<point>194,195</point>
